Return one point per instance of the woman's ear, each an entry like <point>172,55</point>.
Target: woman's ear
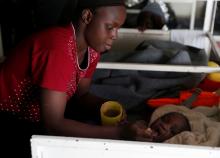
<point>86,16</point>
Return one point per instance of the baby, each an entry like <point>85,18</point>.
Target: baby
<point>167,126</point>
<point>156,15</point>
<point>163,128</point>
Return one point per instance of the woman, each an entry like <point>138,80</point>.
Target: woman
<point>44,72</point>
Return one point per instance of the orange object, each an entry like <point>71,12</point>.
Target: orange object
<point>209,85</point>
<point>203,99</point>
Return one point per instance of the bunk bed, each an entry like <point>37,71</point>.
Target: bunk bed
<point>204,145</point>
<point>202,141</point>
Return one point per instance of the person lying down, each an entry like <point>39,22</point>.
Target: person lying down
<point>204,122</point>
<point>165,127</point>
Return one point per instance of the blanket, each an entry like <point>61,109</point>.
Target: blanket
<point>132,88</point>
<point>204,121</point>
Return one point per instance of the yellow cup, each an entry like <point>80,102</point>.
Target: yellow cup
<point>214,76</point>
<point>111,113</point>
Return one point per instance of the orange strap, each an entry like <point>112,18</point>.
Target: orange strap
<point>154,103</point>
<point>203,99</point>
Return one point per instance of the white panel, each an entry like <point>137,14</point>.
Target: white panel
<point>70,147</point>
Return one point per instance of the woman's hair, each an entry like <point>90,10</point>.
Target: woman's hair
<point>73,8</point>
<point>99,3</point>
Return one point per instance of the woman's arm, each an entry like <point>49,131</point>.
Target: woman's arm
<point>85,101</point>
<point>53,104</point>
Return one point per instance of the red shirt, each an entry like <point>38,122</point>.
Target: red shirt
<point>48,60</point>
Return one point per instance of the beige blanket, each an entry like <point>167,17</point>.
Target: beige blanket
<point>204,121</point>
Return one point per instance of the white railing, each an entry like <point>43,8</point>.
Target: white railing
<point>209,12</point>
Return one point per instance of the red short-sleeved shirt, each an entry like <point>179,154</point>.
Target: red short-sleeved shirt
<point>47,59</point>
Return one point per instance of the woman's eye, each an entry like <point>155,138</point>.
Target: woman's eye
<point>109,27</point>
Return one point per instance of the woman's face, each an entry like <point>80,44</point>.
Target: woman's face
<point>103,28</point>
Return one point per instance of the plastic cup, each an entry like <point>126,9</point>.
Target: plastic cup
<point>111,113</point>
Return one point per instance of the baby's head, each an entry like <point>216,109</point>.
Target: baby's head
<point>168,126</point>
<point>151,17</point>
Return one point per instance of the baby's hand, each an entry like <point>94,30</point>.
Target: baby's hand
<point>137,131</point>
<point>148,131</point>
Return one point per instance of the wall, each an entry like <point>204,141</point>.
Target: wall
<point>1,45</point>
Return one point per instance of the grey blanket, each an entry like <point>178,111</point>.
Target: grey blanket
<point>133,88</point>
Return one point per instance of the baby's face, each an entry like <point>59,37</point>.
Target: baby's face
<point>164,128</point>
<point>147,20</point>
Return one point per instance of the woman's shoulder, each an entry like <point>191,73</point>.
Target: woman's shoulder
<point>55,31</point>
<point>53,37</point>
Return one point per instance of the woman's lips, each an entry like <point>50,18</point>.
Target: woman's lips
<point>108,46</point>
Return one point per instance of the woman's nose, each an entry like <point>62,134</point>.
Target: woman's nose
<point>115,34</point>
